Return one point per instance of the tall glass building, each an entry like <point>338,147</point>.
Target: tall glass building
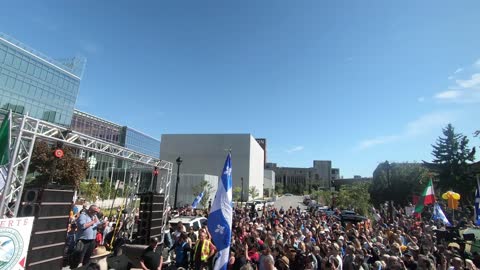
<point>33,83</point>
<point>107,167</point>
<point>140,142</point>
<point>96,127</point>
<point>121,135</point>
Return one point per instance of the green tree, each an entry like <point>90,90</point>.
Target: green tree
<point>253,192</point>
<point>397,182</point>
<point>237,193</point>
<point>206,188</point>
<point>106,189</point>
<point>322,196</point>
<point>354,196</point>
<point>90,190</point>
<point>48,169</point>
<point>452,156</point>
<point>279,188</point>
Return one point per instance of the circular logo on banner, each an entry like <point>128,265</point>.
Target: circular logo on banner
<point>11,247</point>
<point>58,153</point>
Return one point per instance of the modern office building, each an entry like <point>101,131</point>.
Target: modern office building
<point>96,127</point>
<point>320,175</point>
<point>47,89</point>
<point>140,142</point>
<point>335,173</point>
<point>263,143</point>
<point>107,167</point>
<point>269,182</point>
<point>33,83</point>
<point>206,153</point>
<point>111,132</point>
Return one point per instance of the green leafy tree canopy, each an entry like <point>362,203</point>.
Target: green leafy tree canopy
<point>451,154</point>
<point>253,192</point>
<point>48,169</point>
<point>397,182</point>
<point>237,193</point>
<point>90,190</point>
<point>354,196</point>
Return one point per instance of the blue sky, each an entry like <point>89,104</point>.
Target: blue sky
<point>355,82</point>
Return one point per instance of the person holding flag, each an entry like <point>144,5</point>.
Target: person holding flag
<point>197,200</point>
<point>439,215</point>
<point>427,198</point>
<point>220,217</point>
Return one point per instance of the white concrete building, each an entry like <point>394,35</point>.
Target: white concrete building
<point>186,186</point>
<point>206,154</point>
<point>269,182</point>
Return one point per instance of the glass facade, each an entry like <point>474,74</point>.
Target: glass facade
<point>141,143</point>
<point>34,84</point>
<point>121,135</point>
<point>96,127</point>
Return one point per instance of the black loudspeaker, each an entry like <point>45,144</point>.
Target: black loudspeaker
<point>151,216</point>
<point>469,237</point>
<point>121,262</point>
<point>51,209</point>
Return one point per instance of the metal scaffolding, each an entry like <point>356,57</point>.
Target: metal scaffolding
<point>25,130</point>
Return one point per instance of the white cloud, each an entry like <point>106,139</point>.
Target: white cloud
<point>464,91</point>
<point>422,125</point>
<point>295,149</point>
<point>428,122</point>
<point>450,94</point>
<point>474,81</point>
<point>477,63</point>
<point>377,141</point>
<point>458,70</point>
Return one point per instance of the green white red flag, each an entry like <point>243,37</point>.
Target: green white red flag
<point>428,197</point>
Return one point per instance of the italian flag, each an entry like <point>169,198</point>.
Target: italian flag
<point>428,197</point>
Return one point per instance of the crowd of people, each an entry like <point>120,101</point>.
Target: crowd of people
<point>89,229</point>
<point>295,239</point>
<point>291,238</point>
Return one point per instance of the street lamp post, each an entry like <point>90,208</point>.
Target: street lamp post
<point>179,162</point>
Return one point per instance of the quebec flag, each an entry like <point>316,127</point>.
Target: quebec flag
<point>477,203</point>
<point>438,214</point>
<point>197,200</point>
<point>220,218</point>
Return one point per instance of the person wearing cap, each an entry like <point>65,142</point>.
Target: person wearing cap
<point>283,263</point>
<point>409,262</point>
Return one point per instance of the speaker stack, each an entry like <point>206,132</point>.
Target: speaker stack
<point>51,209</point>
<point>151,217</point>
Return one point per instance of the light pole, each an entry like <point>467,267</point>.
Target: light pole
<point>179,162</point>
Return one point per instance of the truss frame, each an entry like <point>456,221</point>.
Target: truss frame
<point>25,130</point>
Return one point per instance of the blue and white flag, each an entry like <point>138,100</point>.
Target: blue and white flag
<point>197,200</point>
<point>477,204</point>
<point>220,218</point>
<point>438,214</point>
